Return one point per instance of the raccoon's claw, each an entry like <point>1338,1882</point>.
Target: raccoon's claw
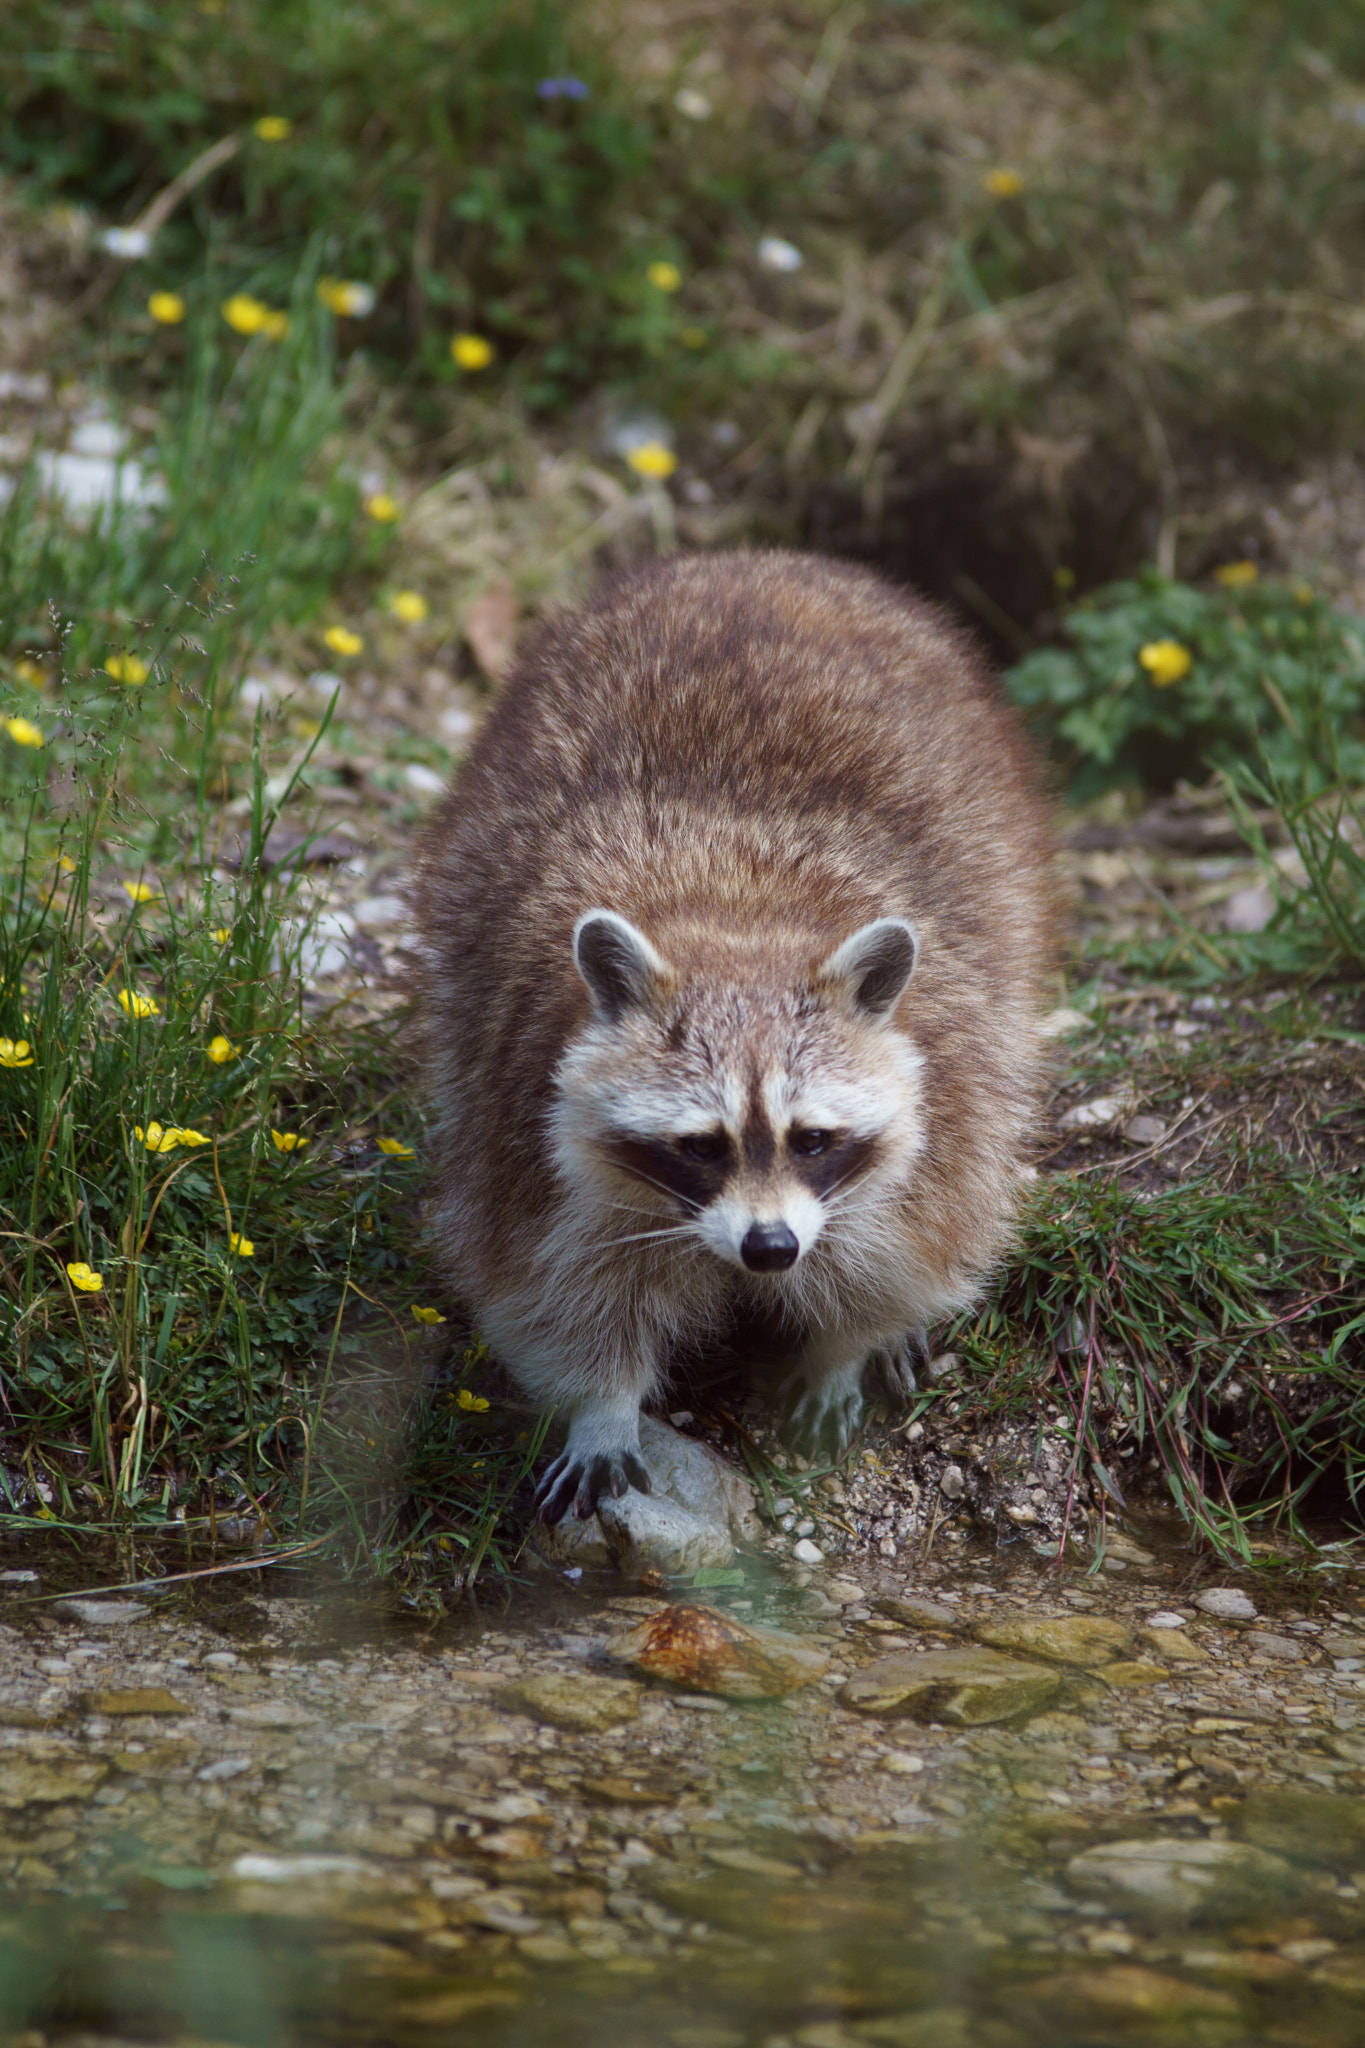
<point>823,1420</point>
<point>578,1481</point>
<point>889,1378</point>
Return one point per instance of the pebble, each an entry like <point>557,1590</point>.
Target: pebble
<point>1225,1603</point>
<point>1087,1640</point>
<point>564,1700</point>
<point>806,1552</point>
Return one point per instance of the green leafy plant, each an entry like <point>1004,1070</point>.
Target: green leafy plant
<point>1161,679</point>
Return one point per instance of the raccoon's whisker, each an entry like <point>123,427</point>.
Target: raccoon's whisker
<point>676,1230</point>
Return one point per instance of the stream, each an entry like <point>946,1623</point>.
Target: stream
<point>269,1808</point>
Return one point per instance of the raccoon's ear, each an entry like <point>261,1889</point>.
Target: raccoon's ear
<point>622,970</point>
<point>870,971</point>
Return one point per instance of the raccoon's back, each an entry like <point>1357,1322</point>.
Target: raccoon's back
<point>727,740</point>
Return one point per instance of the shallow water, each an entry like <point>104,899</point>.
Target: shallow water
<point>330,1829</point>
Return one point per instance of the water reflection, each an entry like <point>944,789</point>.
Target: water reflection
<point>333,1833</point>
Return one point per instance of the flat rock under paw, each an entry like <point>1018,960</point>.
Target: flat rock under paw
<point>697,1510</point>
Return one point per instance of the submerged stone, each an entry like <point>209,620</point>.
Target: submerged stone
<point>1319,1827</point>
<point>1183,1876</point>
<point>37,1781</point>
<point>703,1650</point>
<point>564,1700</point>
<point>967,1687</point>
<point>917,1613</point>
<point>1226,1603</point>
<point>1126,1675</point>
<point>1127,1992</point>
<point>146,1699</point>
<point>1174,1645</point>
<point>103,1613</point>
<point>1069,1639</point>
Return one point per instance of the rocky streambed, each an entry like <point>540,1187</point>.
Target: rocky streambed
<point>978,1799</point>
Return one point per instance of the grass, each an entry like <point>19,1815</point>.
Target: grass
<point>1071,245</point>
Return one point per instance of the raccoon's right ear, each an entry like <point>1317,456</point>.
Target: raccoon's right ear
<point>622,970</point>
<point>872,968</point>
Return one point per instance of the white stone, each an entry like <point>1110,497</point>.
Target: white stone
<point>378,913</point>
<point>99,437</point>
<point>287,1869</point>
<point>1105,1109</point>
<point>1165,1619</point>
<point>1250,910</point>
<point>902,1764</point>
<point>698,1509</point>
<point>806,1552</point>
<point>226,1767</point>
<point>775,254</point>
<point>1226,1603</point>
<point>86,484</point>
<point>1061,1023</point>
<point>692,103</point>
<point>130,245</point>
<point>1144,1130</point>
<point>425,781</point>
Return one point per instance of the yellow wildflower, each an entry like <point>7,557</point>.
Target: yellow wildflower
<point>382,508</point>
<point>348,299</point>
<point>287,1141</point>
<point>342,640</point>
<point>166,307</point>
<point>83,1276</point>
<point>139,892</point>
<point>471,351</point>
<point>187,1137</point>
<point>134,1005</point>
<point>1236,575</point>
<point>24,732</point>
<point>157,1139</point>
<point>427,1315</point>
<point>220,1050</point>
<point>126,668</point>
<point>15,1052</point>
<point>1003,184</point>
<point>1165,661</point>
<point>31,672</point>
<point>221,934</point>
<point>66,864</point>
<point>243,1246</point>
<point>666,276</point>
<point>410,606</point>
<point>694,337</point>
<point>245,315</point>
<point>395,1148</point>
<point>473,1404</point>
<point>652,459</point>
<point>273,128</point>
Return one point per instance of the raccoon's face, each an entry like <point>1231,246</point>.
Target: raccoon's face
<point>754,1113</point>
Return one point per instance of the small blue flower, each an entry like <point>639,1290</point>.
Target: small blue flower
<point>562,89</point>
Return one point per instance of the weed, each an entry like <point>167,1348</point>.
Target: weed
<point>1159,675</point>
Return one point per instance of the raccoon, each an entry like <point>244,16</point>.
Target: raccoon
<point>732,932</point>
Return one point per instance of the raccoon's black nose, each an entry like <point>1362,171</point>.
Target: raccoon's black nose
<point>769,1248</point>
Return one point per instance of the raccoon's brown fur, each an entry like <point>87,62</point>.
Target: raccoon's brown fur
<point>685,1058</point>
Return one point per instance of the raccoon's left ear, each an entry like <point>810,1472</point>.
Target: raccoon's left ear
<point>621,968</point>
<point>871,970</point>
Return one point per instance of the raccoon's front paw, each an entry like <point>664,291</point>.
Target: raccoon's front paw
<point>821,1420</point>
<point>578,1479</point>
<point>889,1376</point>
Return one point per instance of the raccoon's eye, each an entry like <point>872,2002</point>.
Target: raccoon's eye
<point>810,1144</point>
<point>704,1145</point>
